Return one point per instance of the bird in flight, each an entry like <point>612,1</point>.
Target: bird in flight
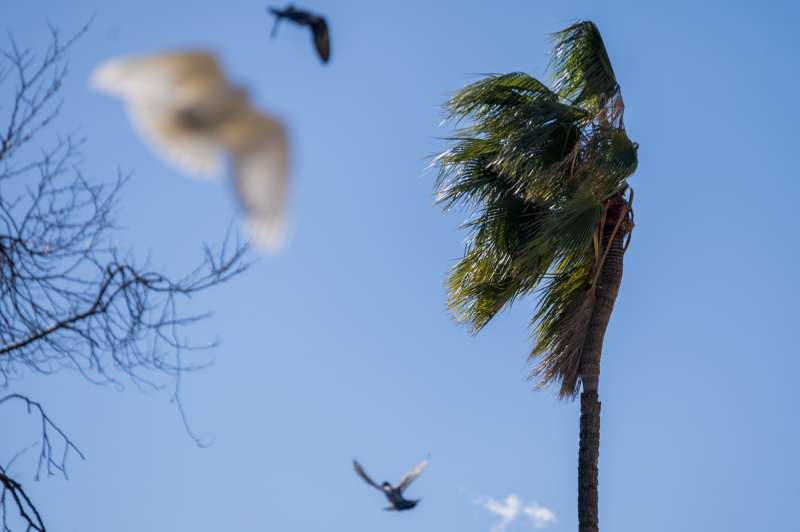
<point>395,493</point>
<point>182,103</point>
<point>317,23</point>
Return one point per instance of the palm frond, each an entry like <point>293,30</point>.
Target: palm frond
<point>493,271</point>
<point>582,68</point>
<point>611,156</point>
<point>497,92</point>
<point>520,131</point>
<point>536,169</point>
<point>560,325</point>
<point>570,226</point>
<point>535,149</point>
<point>465,173</point>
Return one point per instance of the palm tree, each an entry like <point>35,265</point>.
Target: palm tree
<point>543,173</point>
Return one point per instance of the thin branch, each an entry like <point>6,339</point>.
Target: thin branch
<point>71,297</point>
<point>27,510</point>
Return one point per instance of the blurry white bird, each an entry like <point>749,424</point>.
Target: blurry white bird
<point>195,118</point>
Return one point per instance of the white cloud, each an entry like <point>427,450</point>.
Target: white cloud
<point>540,515</point>
<point>512,508</point>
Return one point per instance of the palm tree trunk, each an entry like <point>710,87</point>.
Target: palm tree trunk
<point>607,287</point>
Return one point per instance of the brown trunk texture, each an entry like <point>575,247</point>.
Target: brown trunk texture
<point>588,456</point>
<point>608,283</point>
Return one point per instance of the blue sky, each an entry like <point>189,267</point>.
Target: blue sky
<point>341,347</point>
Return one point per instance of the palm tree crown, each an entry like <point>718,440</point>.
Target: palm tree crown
<point>543,172</point>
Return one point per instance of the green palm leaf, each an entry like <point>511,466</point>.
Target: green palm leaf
<point>543,174</point>
<point>535,169</point>
<point>581,67</point>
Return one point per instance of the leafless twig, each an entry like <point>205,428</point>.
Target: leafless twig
<point>70,297</point>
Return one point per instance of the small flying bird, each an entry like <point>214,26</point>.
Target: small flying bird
<point>182,103</point>
<point>319,28</point>
<point>395,493</point>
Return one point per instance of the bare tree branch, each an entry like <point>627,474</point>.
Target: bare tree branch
<point>55,446</point>
<point>27,511</point>
<point>49,461</point>
<point>70,297</point>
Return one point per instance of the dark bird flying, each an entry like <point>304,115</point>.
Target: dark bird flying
<point>319,28</point>
<point>395,493</point>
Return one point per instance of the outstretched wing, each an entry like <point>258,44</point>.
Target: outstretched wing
<point>156,89</point>
<point>261,165</point>
<point>409,477</point>
<point>322,41</point>
<point>361,473</point>
<point>156,77</point>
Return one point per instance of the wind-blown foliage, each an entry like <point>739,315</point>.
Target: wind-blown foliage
<point>581,67</point>
<point>540,170</point>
